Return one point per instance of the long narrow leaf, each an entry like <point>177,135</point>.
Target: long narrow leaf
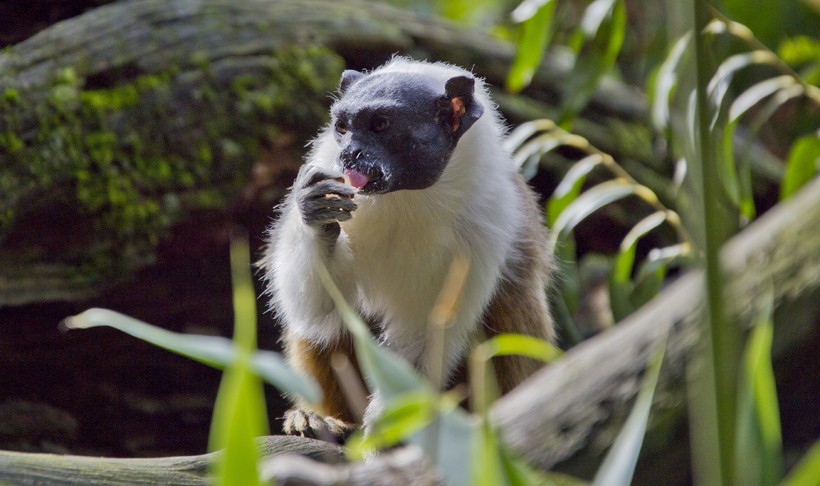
<point>213,351</point>
<point>590,201</point>
<point>239,413</point>
<point>806,472</point>
<point>757,92</point>
<point>597,59</point>
<point>384,370</point>
<point>758,444</point>
<point>519,345</point>
<point>536,34</point>
<point>803,164</point>
<point>594,15</point>
<point>719,84</point>
<point>619,465</point>
<point>524,131</point>
<point>406,415</point>
<point>570,186</point>
<point>666,80</point>
<point>620,279</point>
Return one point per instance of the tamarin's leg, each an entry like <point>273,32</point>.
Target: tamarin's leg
<point>332,413</point>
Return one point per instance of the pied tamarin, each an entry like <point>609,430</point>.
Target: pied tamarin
<point>410,173</point>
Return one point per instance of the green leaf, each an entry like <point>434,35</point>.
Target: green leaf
<point>620,279</point>
<point>486,467</point>
<point>519,345</point>
<point>239,417</point>
<point>239,412</point>
<point>802,165</point>
<point>758,446</point>
<point>757,92</point>
<point>213,351</point>
<point>590,201</point>
<point>652,272</point>
<point>535,37</point>
<point>598,58</point>
<point>719,84</point>
<point>570,186</point>
<point>806,472</point>
<point>528,157</point>
<point>406,415</point>
<point>524,131</point>
<point>666,80</point>
<point>618,466</point>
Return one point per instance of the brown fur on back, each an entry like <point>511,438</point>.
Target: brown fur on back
<point>520,302</point>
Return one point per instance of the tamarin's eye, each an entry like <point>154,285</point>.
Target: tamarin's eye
<point>341,127</point>
<point>379,124</point>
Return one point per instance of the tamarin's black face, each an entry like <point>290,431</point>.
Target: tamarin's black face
<point>398,130</point>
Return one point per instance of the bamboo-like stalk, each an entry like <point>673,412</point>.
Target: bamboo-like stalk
<point>721,350</point>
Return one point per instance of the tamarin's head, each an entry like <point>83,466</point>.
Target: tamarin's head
<point>397,130</point>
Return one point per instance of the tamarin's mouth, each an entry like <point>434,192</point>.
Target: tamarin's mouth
<point>366,183</point>
<point>356,178</point>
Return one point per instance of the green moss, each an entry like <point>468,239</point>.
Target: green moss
<point>126,152</point>
<point>11,96</point>
<point>11,142</point>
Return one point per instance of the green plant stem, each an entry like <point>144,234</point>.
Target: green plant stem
<point>722,340</point>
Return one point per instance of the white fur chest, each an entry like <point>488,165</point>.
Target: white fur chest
<point>399,260</point>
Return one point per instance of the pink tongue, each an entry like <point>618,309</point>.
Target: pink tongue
<point>357,179</point>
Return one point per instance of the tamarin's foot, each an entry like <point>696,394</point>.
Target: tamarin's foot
<point>310,424</point>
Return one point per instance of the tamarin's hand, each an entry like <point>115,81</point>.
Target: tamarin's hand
<point>323,199</point>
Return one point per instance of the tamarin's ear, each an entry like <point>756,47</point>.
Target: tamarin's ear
<point>349,76</point>
<point>458,109</point>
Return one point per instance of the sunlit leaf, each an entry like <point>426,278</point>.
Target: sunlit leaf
<point>590,201</point>
<point>405,415</point>
<point>214,351</point>
<point>618,466</point>
<point>535,37</point>
<point>519,345</point>
<point>594,15</point>
<point>803,164</point>
<point>524,131</point>
<point>239,412</point>
<point>570,186</point>
<point>529,154</point>
<point>758,446</point>
<point>720,82</point>
<point>620,279</point>
<point>666,81</point>
<point>806,472</point>
<point>652,272</point>
<point>486,467</point>
<point>740,190</point>
<point>598,58</point>
<point>526,9</point>
<point>757,92</point>
<point>239,417</point>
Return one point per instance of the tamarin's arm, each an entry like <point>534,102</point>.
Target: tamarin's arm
<point>307,235</point>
